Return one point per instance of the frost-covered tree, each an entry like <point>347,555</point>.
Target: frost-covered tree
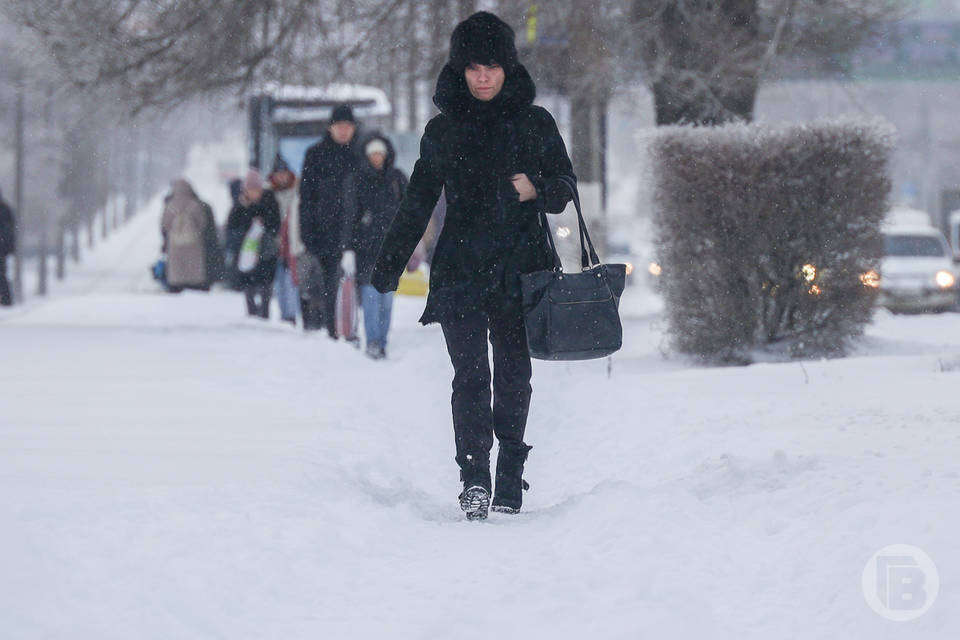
<point>164,52</point>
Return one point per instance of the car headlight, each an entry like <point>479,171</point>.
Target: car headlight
<point>654,269</point>
<point>945,279</point>
<point>870,279</point>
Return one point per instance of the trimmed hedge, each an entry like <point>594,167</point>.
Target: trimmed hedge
<point>740,213</point>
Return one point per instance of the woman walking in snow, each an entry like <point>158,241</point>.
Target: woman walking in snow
<point>498,158</point>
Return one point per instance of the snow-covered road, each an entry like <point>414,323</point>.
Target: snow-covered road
<point>170,469</point>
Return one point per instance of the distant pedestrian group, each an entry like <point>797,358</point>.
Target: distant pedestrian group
<point>298,241</point>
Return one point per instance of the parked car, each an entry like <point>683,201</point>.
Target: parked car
<point>917,273</point>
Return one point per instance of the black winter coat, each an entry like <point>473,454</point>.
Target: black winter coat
<point>489,237</point>
<point>211,247</point>
<point>8,230</point>
<point>240,219</point>
<point>370,201</point>
<point>325,167</point>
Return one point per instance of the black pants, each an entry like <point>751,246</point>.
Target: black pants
<point>258,299</point>
<point>319,305</point>
<point>6,299</point>
<point>475,418</point>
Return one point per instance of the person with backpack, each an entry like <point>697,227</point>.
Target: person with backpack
<point>371,197</point>
<point>500,162</point>
<point>8,244</point>
<point>185,229</point>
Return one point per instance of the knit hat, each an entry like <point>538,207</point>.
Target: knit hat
<point>342,113</point>
<point>375,146</point>
<point>483,38</point>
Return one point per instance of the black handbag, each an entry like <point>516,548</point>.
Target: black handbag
<point>573,316</point>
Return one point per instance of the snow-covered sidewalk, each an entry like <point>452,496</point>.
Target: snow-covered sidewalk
<point>171,469</point>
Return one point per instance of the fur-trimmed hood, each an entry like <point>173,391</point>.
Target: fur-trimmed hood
<point>454,99</point>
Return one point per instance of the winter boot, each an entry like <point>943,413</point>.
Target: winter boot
<point>475,498</point>
<point>309,315</point>
<point>475,502</point>
<point>510,482</point>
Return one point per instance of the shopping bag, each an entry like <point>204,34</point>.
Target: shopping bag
<point>250,249</point>
<point>347,308</point>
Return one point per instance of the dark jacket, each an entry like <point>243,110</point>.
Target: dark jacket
<point>212,250</point>
<point>489,237</point>
<point>239,221</point>
<point>370,200</point>
<point>8,230</point>
<point>325,167</point>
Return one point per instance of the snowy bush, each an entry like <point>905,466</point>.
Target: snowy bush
<point>765,233</point>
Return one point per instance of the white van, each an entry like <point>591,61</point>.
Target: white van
<point>917,272</point>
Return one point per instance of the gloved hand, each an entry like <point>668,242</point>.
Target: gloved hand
<point>348,263</point>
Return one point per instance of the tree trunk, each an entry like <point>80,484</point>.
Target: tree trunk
<point>413,61</point>
<point>589,95</point>
<point>105,181</point>
<point>442,26</point>
<point>42,254</point>
<point>75,235</point>
<point>18,193</point>
<point>465,9</point>
<point>704,108</point>
<point>91,228</point>
<point>710,58</point>
<point>61,250</point>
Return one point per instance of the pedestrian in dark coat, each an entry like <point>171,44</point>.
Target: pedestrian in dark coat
<point>257,203</point>
<point>8,244</point>
<point>232,238</point>
<point>371,197</point>
<point>212,249</point>
<point>498,159</point>
<point>325,168</point>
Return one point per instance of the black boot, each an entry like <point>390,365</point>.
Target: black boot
<point>475,498</point>
<point>510,482</point>
<point>309,315</point>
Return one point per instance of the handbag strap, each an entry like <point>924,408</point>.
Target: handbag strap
<point>588,254</point>
<point>586,260</point>
<point>557,263</point>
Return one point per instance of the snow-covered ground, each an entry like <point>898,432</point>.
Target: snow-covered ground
<point>171,469</point>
